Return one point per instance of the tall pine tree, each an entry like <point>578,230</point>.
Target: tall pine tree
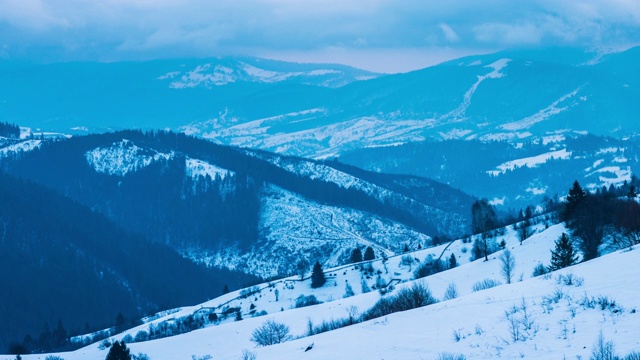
<point>317,276</point>
<point>563,255</point>
<point>575,197</point>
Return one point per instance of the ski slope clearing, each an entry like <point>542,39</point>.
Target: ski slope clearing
<point>552,316</point>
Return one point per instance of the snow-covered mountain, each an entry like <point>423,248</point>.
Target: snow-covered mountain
<point>571,313</point>
<point>512,174</point>
<point>513,96</point>
<point>325,110</point>
<point>535,96</point>
<point>81,97</point>
<point>252,211</point>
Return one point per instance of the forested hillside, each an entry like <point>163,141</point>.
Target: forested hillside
<point>65,264</point>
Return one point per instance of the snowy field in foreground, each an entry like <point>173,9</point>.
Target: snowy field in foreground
<point>550,319</point>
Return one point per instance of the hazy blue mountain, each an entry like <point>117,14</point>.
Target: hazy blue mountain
<point>151,94</point>
<point>322,111</point>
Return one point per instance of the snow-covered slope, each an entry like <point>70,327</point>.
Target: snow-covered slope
<point>494,97</point>
<point>293,226</point>
<point>246,210</point>
<point>122,157</point>
<point>10,147</point>
<point>521,172</point>
<point>540,318</point>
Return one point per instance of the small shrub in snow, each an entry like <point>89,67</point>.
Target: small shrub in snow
<point>140,356</point>
<point>329,325</point>
<point>416,296</point>
<point>552,299</point>
<point>522,326</point>
<point>128,339</point>
<point>451,292</point>
<point>303,301</point>
<point>458,335</point>
<point>203,357</point>
<point>53,357</point>
<point>539,270</point>
<point>485,284</point>
<point>348,290</point>
<point>141,336</point>
<point>479,330</point>
<point>569,280</point>
<point>600,302</point>
<point>603,349</point>
<point>365,287</point>
<point>260,313</point>
<point>104,344</point>
<point>429,267</point>
<point>270,333</point>
<point>248,355</point>
<point>407,260</point>
<point>633,356</point>
<point>352,314</point>
<point>450,356</point>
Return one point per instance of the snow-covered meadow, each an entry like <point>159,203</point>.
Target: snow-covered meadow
<point>559,315</point>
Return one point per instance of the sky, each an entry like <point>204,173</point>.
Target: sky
<point>378,35</point>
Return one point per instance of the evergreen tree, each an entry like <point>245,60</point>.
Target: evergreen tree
<point>575,197</point>
<point>118,351</point>
<point>120,323</point>
<point>563,255</point>
<point>369,254</point>
<point>356,255</point>
<point>452,261</point>
<point>632,192</point>
<point>59,335</point>
<point>317,276</point>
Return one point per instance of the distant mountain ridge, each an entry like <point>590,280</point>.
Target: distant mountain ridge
<point>324,110</point>
<point>87,96</point>
<point>243,209</point>
<point>521,97</point>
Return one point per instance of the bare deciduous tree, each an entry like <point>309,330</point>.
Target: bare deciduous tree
<point>508,265</point>
<point>270,333</point>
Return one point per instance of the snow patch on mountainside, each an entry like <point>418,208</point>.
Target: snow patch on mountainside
<point>608,150</point>
<point>122,157</point>
<point>205,75</point>
<point>458,114</point>
<point>195,168</point>
<point>317,142</point>
<point>210,75</point>
<point>19,147</point>
<point>293,225</point>
<point>269,76</point>
<point>554,109</point>
<point>530,162</point>
<point>610,175</point>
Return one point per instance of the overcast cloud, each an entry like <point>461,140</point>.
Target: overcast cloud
<point>381,35</point>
